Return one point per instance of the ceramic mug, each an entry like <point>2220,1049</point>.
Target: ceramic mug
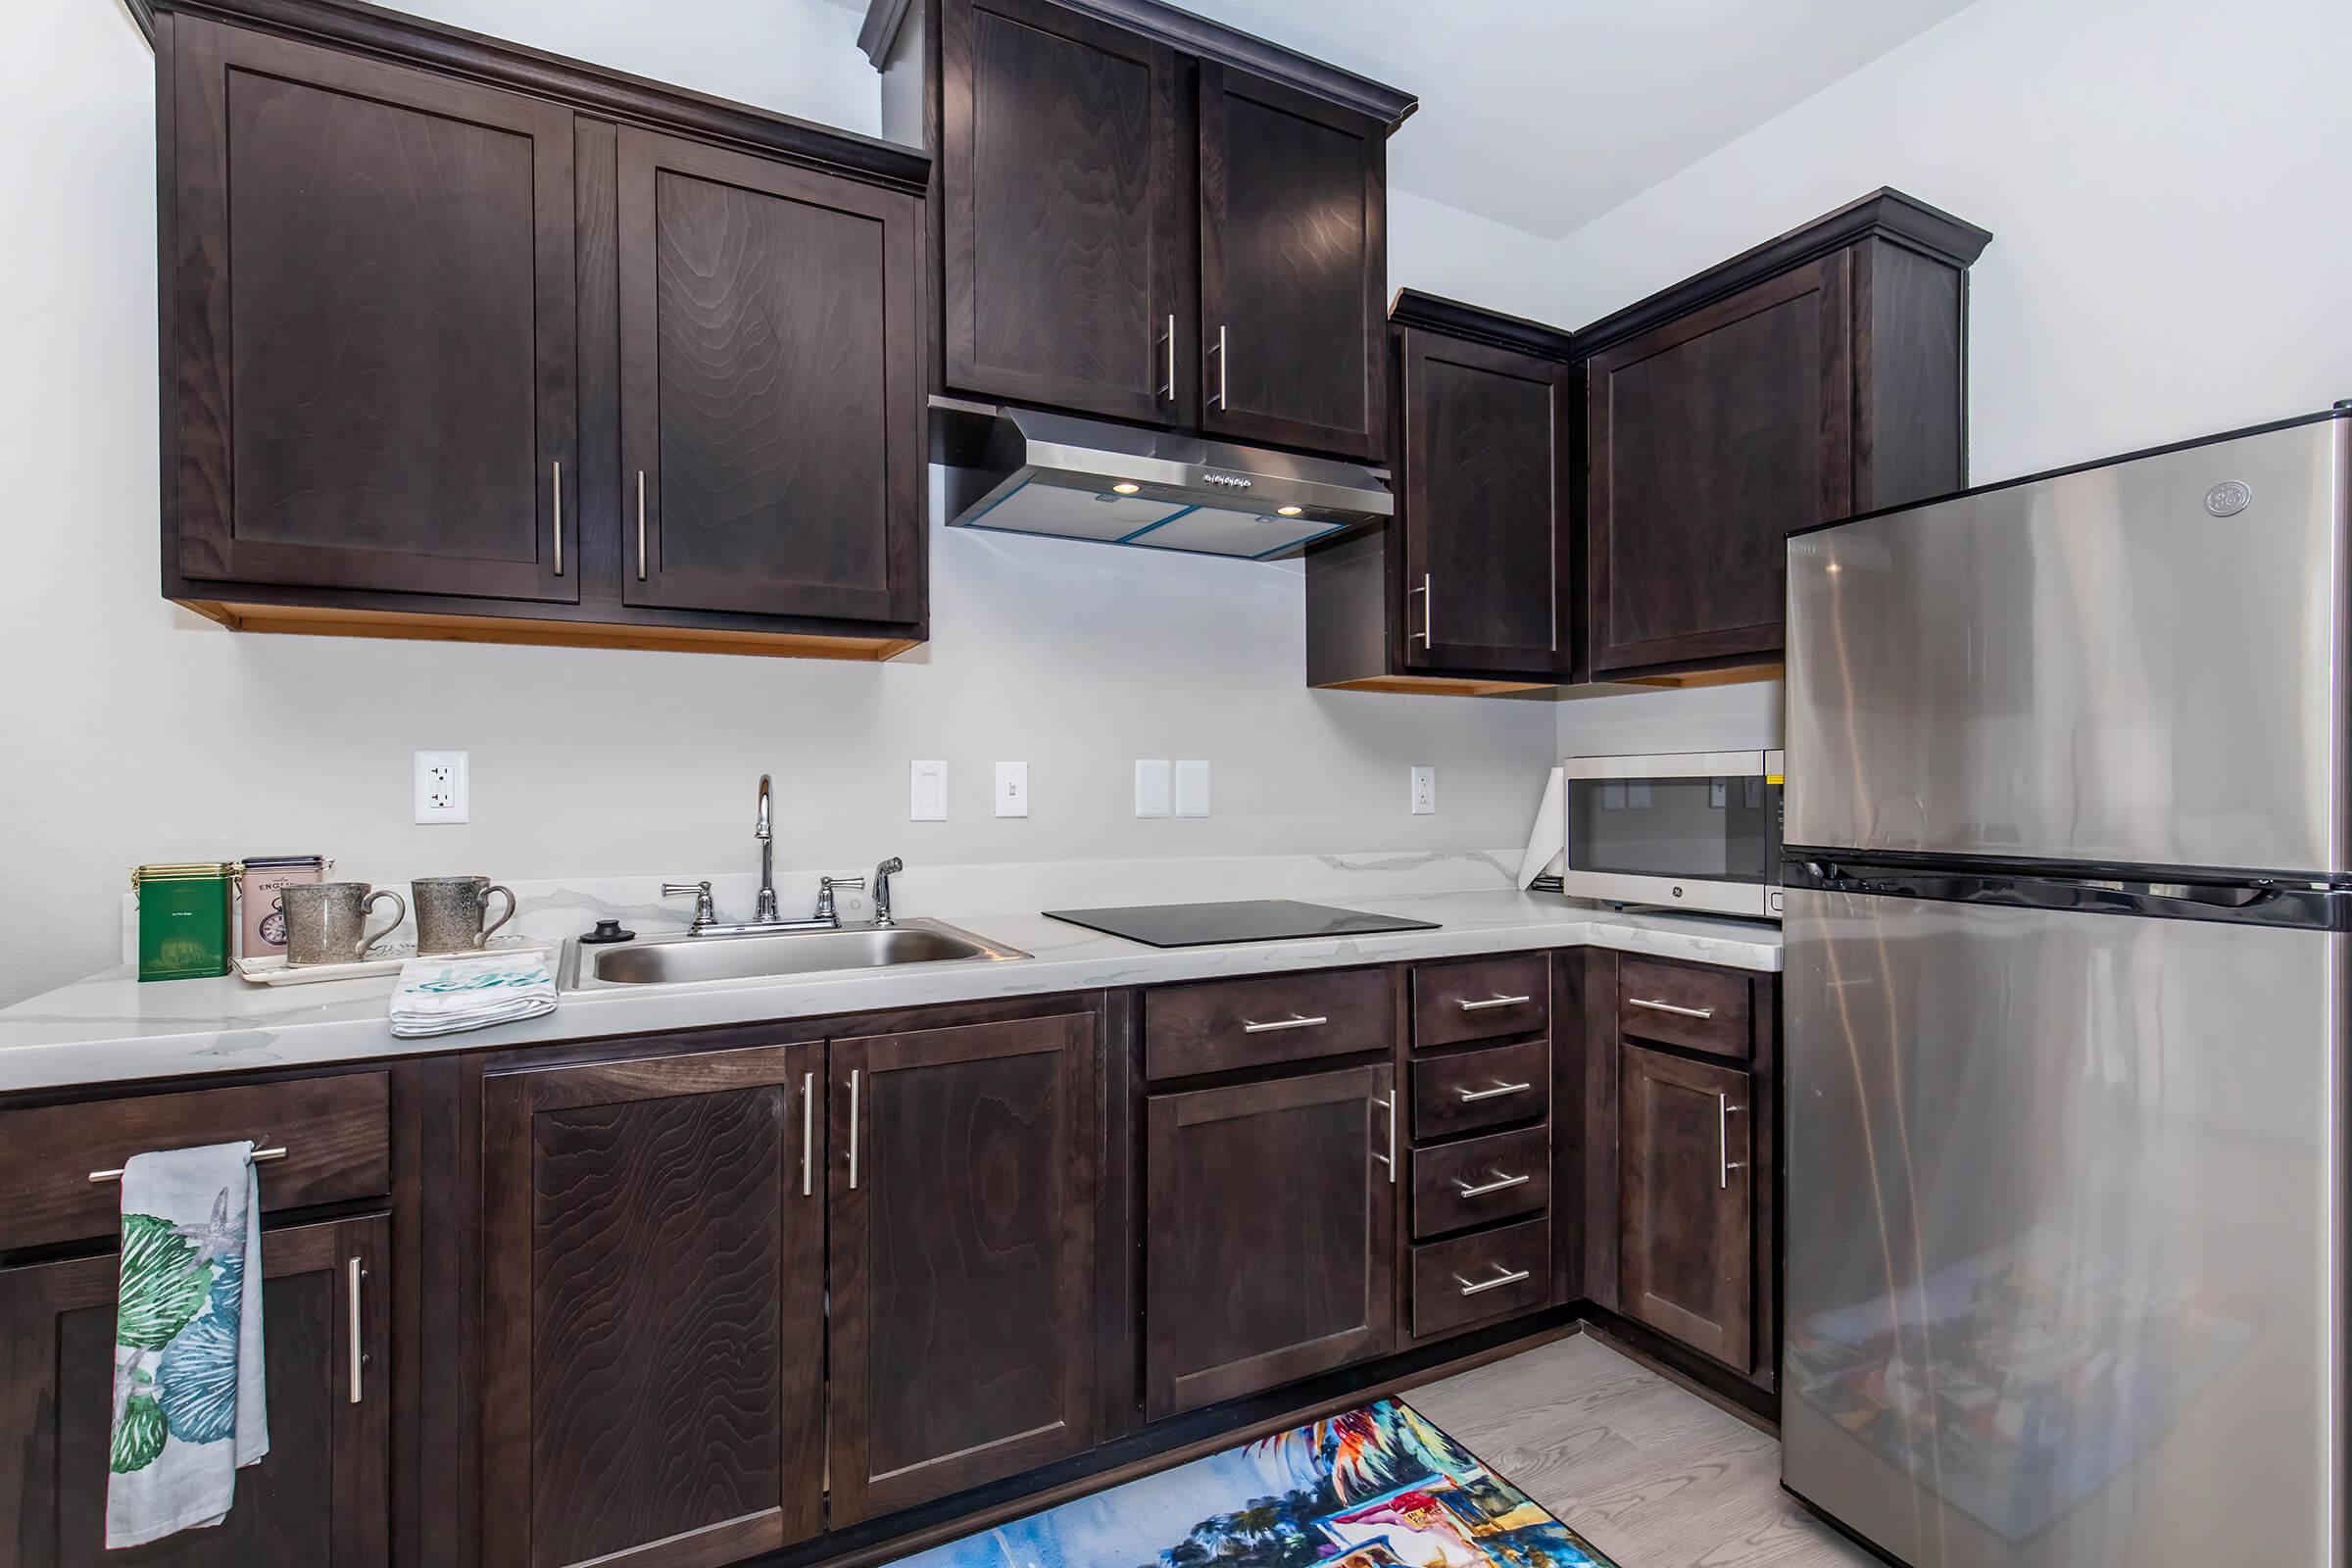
<point>326,922</point>
<point>452,913</point>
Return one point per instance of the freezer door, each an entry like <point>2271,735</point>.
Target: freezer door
<point>2060,1251</point>
<point>2093,667</point>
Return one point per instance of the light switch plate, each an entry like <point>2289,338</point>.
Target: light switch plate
<point>1012,789</point>
<point>927,792</point>
<point>1425,789</point>
<point>1151,790</point>
<point>1192,789</point>
<point>444,787</point>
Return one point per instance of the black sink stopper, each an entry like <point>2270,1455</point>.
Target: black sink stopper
<point>608,931</point>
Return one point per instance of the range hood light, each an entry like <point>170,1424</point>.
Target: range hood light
<point>1128,489</point>
<point>1290,511</point>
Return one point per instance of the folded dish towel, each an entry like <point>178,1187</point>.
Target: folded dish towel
<point>441,995</point>
<point>190,1406</point>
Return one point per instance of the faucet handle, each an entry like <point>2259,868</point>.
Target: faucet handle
<point>825,909</point>
<point>705,914</point>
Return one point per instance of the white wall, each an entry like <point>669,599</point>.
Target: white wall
<point>2165,181</point>
<point>135,731</point>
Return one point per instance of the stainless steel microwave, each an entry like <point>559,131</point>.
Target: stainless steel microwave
<point>1692,830</point>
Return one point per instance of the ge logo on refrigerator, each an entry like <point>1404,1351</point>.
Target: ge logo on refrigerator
<point>2228,498</point>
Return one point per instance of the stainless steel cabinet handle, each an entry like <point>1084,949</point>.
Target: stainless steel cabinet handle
<point>1169,390</point>
<point>1425,597</point>
<point>1223,361</point>
<point>1497,1001</point>
<point>259,1157</point>
<point>558,467</point>
<point>853,1129</point>
<point>1505,1276</point>
<point>1472,1096</point>
<point>1388,1102</point>
<point>355,1271</point>
<point>641,525</point>
<point>1500,1184</point>
<point>1724,1164</point>
<point>1295,1021</point>
<point>807,1133</point>
<point>1667,1007</point>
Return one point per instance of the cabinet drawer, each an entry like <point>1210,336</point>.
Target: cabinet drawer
<point>1473,1277</point>
<point>1490,1087</point>
<point>1485,998</point>
<point>1501,1176</point>
<point>1222,1024</point>
<point>334,1132</point>
<point>1683,1004</point>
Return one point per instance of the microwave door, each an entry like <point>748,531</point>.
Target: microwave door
<point>1686,837</point>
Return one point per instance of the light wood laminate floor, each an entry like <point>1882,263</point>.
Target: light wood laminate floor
<point>1649,1472</point>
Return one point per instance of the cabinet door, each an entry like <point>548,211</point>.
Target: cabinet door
<point>1269,1245</point>
<point>320,1494</point>
<point>1294,267</point>
<point>1067,244</point>
<point>1684,1165</point>
<point>653,1308</point>
<point>963,1257</point>
<point>772,418</point>
<point>1486,479</point>
<point>369,320</point>
<point>1710,438</point>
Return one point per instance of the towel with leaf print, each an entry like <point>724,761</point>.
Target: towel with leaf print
<point>190,1403</point>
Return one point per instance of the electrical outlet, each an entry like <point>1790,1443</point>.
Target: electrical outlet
<point>1192,789</point>
<point>1151,790</point>
<point>1425,789</point>
<point>443,787</point>
<point>1012,789</point>
<point>927,792</point>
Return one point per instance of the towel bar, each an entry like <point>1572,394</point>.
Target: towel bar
<point>259,1157</point>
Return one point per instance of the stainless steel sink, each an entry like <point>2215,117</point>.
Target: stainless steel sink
<point>683,959</point>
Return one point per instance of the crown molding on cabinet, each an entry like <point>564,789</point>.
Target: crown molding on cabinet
<point>1475,324</point>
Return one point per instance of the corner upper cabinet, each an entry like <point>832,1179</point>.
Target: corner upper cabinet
<point>1820,375</point>
<point>1062,181</point>
<point>369,315</point>
<point>772,422</point>
<point>1294,267</point>
<point>1469,588</point>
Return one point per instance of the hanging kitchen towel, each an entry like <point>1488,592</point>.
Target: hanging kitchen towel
<point>190,1409</point>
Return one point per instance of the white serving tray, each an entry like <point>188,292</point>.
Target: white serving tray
<point>274,970</point>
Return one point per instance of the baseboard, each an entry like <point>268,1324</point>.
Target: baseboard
<point>1703,1376</point>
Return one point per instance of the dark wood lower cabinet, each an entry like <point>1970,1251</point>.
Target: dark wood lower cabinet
<point>1685,1163</point>
<point>652,1262</point>
<point>320,1496</point>
<point>1270,1247</point>
<point>961,1331</point>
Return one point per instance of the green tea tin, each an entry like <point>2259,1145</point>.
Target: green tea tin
<point>186,915</point>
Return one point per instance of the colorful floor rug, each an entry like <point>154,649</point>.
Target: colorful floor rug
<point>1375,1488</point>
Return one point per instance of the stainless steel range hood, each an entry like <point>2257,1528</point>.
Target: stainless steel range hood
<point>1023,470</point>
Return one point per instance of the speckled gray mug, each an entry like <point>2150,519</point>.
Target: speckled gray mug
<point>326,922</point>
<point>452,913</point>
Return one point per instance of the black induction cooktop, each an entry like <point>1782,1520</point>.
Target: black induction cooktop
<point>1207,925</point>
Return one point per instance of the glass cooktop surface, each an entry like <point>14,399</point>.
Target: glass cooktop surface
<point>1202,925</point>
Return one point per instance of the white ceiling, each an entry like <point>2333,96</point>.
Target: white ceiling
<point>1546,114</point>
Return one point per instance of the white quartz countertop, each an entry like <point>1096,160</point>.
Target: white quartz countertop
<point>110,1028</point>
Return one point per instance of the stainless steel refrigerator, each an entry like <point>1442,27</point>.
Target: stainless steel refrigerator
<point>2069,882</point>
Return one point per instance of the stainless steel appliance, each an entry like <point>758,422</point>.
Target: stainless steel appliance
<point>1690,830</point>
<point>2067,884</point>
<point>1204,925</point>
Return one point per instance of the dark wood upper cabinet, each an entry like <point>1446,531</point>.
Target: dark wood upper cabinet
<point>1062,179</point>
<point>433,304</point>
<point>961,1331</point>
<point>1470,587</point>
<point>1294,267</point>
<point>370,309</point>
<point>1270,1231</point>
<point>653,1256</point>
<point>1817,376</point>
<point>322,1494</point>
<point>1685,1152</point>
<point>772,422</point>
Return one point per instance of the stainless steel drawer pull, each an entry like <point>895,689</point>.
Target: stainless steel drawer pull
<point>641,525</point>
<point>1169,390</point>
<point>1724,1164</point>
<point>356,1270</point>
<point>1388,1102</point>
<point>1495,1002</point>
<point>558,466</point>
<point>1501,1089</point>
<point>1295,1021</point>
<point>807,1132</point>
<point>853,1129</point>
<point>1667,1007</point>
<point>1499,1184</point>
<point>260,1157</point>
<point>1505,1276</point>
<point>1220,351</point>
<point>1425,597</point>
